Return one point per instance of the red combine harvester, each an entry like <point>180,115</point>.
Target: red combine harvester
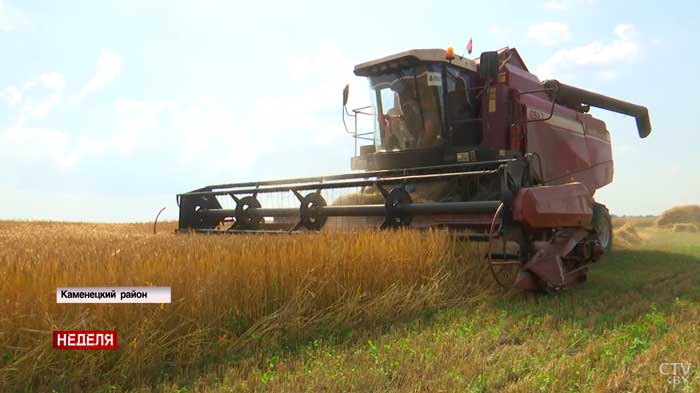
<point>481,146</point>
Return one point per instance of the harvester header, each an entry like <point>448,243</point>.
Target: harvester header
<point>480,146</point>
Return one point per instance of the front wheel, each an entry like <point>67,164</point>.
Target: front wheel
<point>602,226</point>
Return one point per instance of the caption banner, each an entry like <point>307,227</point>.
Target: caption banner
<point>85,339</point>
<point>113,295</point>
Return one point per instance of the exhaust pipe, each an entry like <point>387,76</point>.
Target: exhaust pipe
<point>575,97</point>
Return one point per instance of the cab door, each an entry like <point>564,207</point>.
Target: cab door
<point>461,109</point>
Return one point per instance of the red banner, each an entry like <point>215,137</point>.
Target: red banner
<point>85,339</point>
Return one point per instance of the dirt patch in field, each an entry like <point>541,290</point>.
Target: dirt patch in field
<point>685,227</point>
<point>627,234</point>
<point>638,221</point>
<point>688,214</point>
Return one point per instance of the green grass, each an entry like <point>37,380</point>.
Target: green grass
<point>639,308</point>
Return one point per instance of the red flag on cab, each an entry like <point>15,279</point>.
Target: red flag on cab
<point>469,46</point>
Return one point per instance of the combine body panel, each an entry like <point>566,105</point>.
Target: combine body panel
<point>567,205</point>
<point>483,147</point>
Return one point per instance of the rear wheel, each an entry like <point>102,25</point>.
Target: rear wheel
<point>602,226</point>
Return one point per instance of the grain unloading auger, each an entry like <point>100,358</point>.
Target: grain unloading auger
<point>480,146</point>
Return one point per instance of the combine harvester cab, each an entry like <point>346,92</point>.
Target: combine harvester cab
<point>481,146</point>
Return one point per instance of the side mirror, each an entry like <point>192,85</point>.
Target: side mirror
<point>488,65</point>
<point>346,92</point>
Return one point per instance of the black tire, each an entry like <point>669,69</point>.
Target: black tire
<point>602,225</point>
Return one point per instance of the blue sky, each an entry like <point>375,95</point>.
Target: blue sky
<point>108,109</point>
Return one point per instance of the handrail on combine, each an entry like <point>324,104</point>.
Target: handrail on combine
<point>354,133</point>
<point>356,111</point>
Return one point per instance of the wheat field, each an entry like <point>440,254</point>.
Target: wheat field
<point>352,312</point>
<point>230,294</point>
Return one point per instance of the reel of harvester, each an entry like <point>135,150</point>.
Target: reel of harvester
<point>539,237</point>
<point>201,210</point>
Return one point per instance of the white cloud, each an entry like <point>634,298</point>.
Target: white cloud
<point>207,131</point>
<point>109,66</point>
<point>140,114</point>
<point>607,75</point>
<point>675,169</point>
<point>565,5</point>
<point>321,78</point>
<point>40,105</point>
<point>556,5</point>
<point>549,33</point>
<point>37,144</point>
<point>53,80</point>
<point>496,29</point>
<point>625,32</point>
<point>500,33</point>
<point>35,98</point>
<point>12,95</point>
<point>327,65</point>
<point>138,123</point>
<point>137,126</point>
<point>624,48</point>
<point>20,141</point>
<point>303,115</point>
<point>29,144</point>
<point>11,18</point>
